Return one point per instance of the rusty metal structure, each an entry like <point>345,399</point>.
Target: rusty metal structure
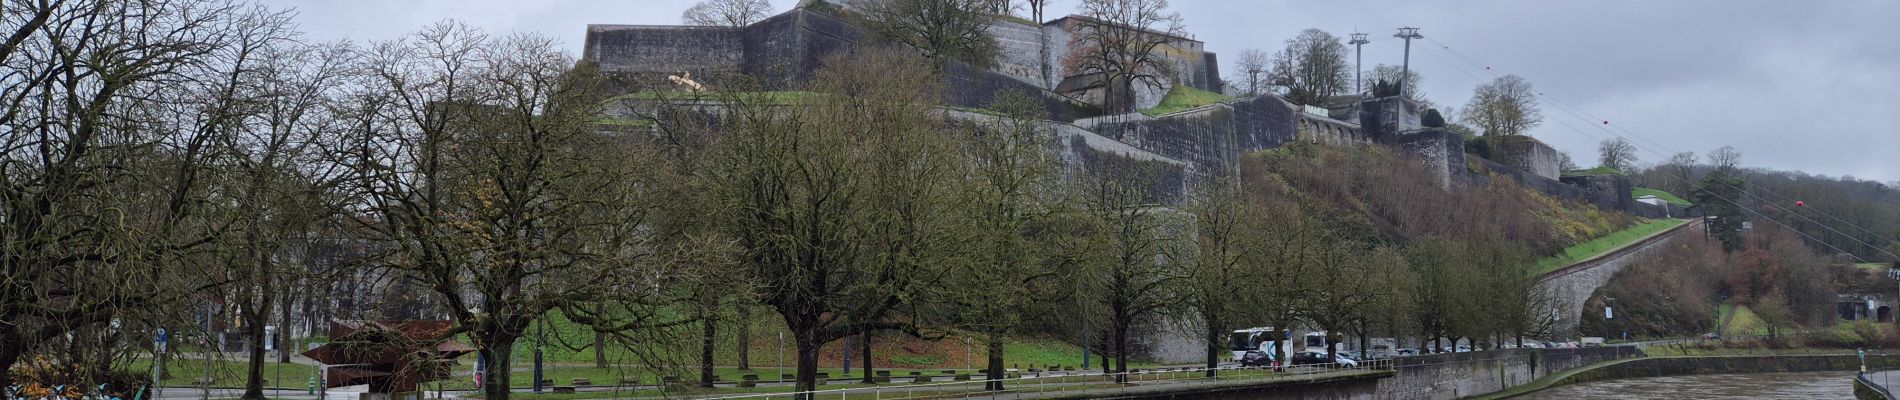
<point>389,356</point>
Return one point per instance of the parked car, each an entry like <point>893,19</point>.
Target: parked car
<point>1711,336</point>
<point>1316,357</point>
<point>1255,358</point>
<point>1406,352</point>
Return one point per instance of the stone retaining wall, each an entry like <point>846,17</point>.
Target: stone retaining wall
<point>1458,375</point>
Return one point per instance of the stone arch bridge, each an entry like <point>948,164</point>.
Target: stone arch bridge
<point>1569,287</point>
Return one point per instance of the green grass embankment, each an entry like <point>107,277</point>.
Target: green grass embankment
<point>1660,194</point>
<point>1604,244</point>
<point>1182,97</point>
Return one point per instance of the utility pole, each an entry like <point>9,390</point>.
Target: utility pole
<point>1407,33</point>
<point>1358,63</point>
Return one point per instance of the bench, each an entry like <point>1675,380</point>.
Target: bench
<point>563,390</point>
<point>583,382</point>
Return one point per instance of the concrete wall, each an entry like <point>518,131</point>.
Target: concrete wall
<point>1387,117</point>
<point>1442,150</point>
<point>1209,139</point>
<point>1458,375</point>
<point>1610,192</point>
<point>1021,52</point>
<point>1328,131</point>
<point>1528,154</point>
<point>1674,366</point>
<point>702,50</point>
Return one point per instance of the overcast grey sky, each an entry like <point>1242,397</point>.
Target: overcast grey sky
<point>1796,85</point>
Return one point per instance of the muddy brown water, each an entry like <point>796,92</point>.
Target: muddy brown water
<point>1780,385</point>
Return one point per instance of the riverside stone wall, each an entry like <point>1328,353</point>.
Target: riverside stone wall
<point>1459,375</point>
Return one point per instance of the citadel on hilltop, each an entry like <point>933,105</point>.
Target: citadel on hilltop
<point>783,51</point>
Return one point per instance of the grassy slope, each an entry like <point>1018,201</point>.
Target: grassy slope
<point>1659,193</point>
<point>1592,172</point>
<point>1604,244</point>
<point>1182,97</point>
<point>1745,322</point>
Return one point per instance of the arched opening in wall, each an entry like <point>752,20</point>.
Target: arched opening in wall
<point>1884,314</point>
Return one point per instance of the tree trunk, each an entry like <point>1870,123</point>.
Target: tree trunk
<point>1332,348</point>
<point>1213,348</point>
<point>11,347</point>
<point>254,318</point>
<point>495,374</point>
<point>993,380</point>
<point>1365,343</point>
<point>706,352</point>
<point>745,338</point>
<point>600,341</point>
<point>1121,350</point>
<point>283,331</point>
<point>807,365</point>
<point>867,356</point>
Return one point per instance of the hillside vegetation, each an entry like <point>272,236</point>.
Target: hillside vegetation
<point>1382,195</point>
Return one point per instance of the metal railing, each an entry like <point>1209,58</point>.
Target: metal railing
<point>1034,383</point>
<point>1879,383</point>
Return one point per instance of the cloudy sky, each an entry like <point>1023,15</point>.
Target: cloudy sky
<point>1810,86</point>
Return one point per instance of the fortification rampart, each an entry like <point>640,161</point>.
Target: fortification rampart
<point>1526,153</point>
<point>1210,139</point>
<point>782,52</point>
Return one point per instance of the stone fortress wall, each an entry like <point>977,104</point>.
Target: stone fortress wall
<point>1527,154</point>
<point>782,51</point>
<point>1185,147</point>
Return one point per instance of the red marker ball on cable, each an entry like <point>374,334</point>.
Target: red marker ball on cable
<point>1799,203</point>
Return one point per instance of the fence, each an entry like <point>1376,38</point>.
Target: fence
<point>1878,382</point>
<point>1034,384</point>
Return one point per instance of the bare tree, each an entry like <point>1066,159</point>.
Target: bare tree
<point>1136,279</point>
<point>1504,107</point>
<point>1312,68</point>
<point>1035,9</point>
<point>726,12</point>
<point>281,191</point>
<point>481,172</point>
<point>1617,154</point>
<point>838,241</point>
<point>944,30</point>
<point>1392,75</point>
<point>107,135</point>
<point>1565,163</point>
<point>1227,266</point>
<point>1012,206</point>
<point>1254,62</point>
<point>1121,41</point>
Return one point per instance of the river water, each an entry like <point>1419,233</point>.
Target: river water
<point>1781,385</point>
